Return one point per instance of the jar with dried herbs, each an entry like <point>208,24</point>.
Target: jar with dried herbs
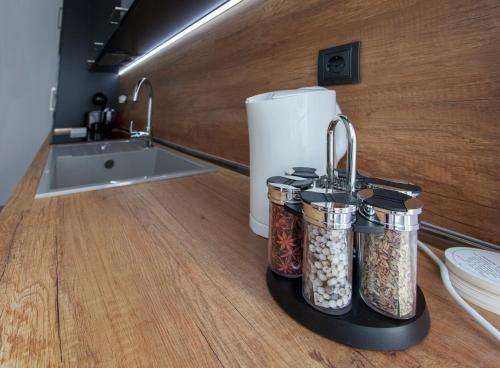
<point>328,242</point>
<point>388,261</point>
<point>285,225</point>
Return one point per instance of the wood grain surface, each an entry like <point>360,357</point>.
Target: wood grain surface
<point>167,274</point>
<point>426,109</point>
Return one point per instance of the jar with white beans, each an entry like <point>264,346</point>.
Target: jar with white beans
<point>328,242</point>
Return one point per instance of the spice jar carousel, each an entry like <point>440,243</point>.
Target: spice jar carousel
<point>353,239</point>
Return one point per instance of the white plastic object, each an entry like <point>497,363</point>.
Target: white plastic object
<point>445,277</point>
<point>478,267</point>
<point>475,295</point>
<point>122,99</point>
<point>286,129</point>
<point>475,274</point>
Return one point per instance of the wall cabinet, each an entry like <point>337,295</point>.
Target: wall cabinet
<point>146,24</point>
<point>107,15</point>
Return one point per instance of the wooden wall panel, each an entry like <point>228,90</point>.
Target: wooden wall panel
<point>427,108</point>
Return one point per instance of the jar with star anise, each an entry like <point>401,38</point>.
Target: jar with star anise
<point>285,224</point>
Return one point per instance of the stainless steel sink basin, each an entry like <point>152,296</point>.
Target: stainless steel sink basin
<point>73,168</point>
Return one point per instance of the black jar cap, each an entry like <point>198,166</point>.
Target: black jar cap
<point>395,185</point>
<point>305,172</point>
<point>388,199</point>
<point>297,183</point>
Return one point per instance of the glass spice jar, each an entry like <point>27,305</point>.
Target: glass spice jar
<point>285,225</point>
<point>388,260</point>
<point>328,241</point>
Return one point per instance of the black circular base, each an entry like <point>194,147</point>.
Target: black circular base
<point>362,327</point>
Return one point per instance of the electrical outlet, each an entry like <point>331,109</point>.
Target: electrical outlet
<point>339,64</point>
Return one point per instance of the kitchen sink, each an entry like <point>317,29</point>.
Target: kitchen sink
<point>73,168</point>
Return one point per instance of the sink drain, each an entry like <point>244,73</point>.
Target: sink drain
<point>109,164</point>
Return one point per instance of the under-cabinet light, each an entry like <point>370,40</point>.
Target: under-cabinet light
<point>207,18</point>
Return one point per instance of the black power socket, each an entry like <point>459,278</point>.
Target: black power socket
<point>339,64</point>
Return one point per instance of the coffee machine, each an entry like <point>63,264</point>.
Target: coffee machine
<point>99,123</point>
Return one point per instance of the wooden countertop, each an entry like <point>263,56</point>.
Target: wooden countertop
<point>168,274</point>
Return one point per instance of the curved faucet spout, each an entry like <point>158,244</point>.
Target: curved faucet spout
<point>138,86</point>
<point>135,97</point>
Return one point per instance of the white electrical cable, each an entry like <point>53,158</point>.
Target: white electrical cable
<point>447,283</point>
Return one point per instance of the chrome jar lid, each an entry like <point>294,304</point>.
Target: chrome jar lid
<point>394,210</point>
<point>397,185</point>
<point>324,207</point>
<point>283,189</point>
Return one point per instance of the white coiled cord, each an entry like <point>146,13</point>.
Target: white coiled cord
<point>447,283</point>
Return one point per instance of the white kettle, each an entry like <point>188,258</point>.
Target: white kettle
<point>288,128</point>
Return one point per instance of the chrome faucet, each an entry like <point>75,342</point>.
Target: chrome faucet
<point>351,152</point>
<point>146,134</point>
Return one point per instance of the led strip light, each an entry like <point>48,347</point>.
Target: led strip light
<point>207,18</point>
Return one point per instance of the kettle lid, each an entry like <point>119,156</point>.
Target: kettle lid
<point>287,93</point>
<point>296,92</point>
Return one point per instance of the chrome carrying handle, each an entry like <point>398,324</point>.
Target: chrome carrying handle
<point>351,152</point>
